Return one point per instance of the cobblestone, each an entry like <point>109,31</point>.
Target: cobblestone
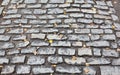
<point>60,37</point>
<point>8,69</point>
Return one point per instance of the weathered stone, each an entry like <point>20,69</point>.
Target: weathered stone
<point>116,61</point>
<point>71,20</point>
<point>26,11</point>
<point>64,5</point>
<point>97,52</point>
<point>4,38</point>
<point>16,31</point>
<point>98,44</point>
<point>79,1</point>
<point>18,21</point>
<point>2,31</point>
<point>88,11</point>
<point>49,30</point>
<point>110,70</point>
<point>16,1</point>
<point>95,37</point>
<point>39,43</point>
<point>4,60</point>
<point>35,60</point>
<point>37,21</point>
<point>68,69</point>
<point>6,45</point>
<point>43,1</point>
<point>5,2</point>
<point>33,30</point>
<point>109,37</point>
<point>100,3</point>
<point>28,50</point>
<point>79,37</point>
<point>6,22</point>
<point>19,37</point>
<point>86,5</point>
<point>66,51</point>
<point>34,6</point>
<point>84,51</point>
<point>115,18</point>
<point>42,70</point>
<point>91,71</point>
<point>23,69</point>
<point>56,37</point>
<point>38,36</point>
<point>30,1</point>
<point>22,44</point>
<point>55,59</point>
<point>56,1</point>
<point>12,16</point>
<point>8,69</point>
<point>82,20</point>
<point>98,61</point>
<point>77,44</point>
<point>77,15</point>
<point>110,53</point>
<point>55,11</point>
<point>18,59</point>
<point>118,34</point>
<point>78,61</point>
<point>13,51</point>
<point>97,31</point>
<point>39,11</point>
<point>61,43</point>
<point>82,30</point>
<point>2,52</point>
<point>46,51</point>
<point>13,11</point>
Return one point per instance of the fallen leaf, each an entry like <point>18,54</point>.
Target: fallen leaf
<point>1,66</point>
<point>54,65</point>
<point>74,58</point>
<point>87,64</point>
<point>50,41</point>
<point>113,27</point>
<point>65,12</point>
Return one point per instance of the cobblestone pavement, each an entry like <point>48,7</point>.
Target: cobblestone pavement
<point>59,37</point>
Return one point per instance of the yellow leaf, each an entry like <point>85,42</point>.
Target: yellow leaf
<point>113,27</point>
<point>84,46</point>
<point>118,50</point>
<point>25,30</point>
<point>54,65</point>
<point>50,41</point>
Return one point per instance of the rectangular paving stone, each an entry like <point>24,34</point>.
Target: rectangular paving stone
<point>8,69</point>
<point>16,1</point>
<point>34,6</point>
<point>4,38</point>
<point>23,69</point>
<point>13,52</point>
<point>6,45</point>
<point>56,1</point>
<point>82,31</point>
<point>39,11</point>
<point>116,61</point>
<point>46,51</point>
<point>61,44</point>
<point>79,37</point>
<point>2,30</point>
<point>84,52</point>
<point>68,69</point>
<point>4,60</point>
<point>66,51</point>
<point>35,60</point>
<point>2,52</point>
<point>39,43</point>
<point>18,59</point>
<point>55,59</point>
<point>110,70</point>
<point>42,70</point>
<point>109,37</point>
<point>5,2</point>
<point>38,36</point>
<point>30,1</point>
<point>98,44</point>
<point>12,16</point>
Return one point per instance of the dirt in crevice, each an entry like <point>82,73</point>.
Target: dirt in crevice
<point>1,1</point>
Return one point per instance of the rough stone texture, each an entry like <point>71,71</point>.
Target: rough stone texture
<point>42,70</point>
<point>18,59</point>
<point>84,51</point>
<point>59,37</point>
<point>111,71</point>
<point>8,69</point>
<point>68,69</point>
<point>23,69</point>
<point>35,60</point>
<point>77,61</point>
